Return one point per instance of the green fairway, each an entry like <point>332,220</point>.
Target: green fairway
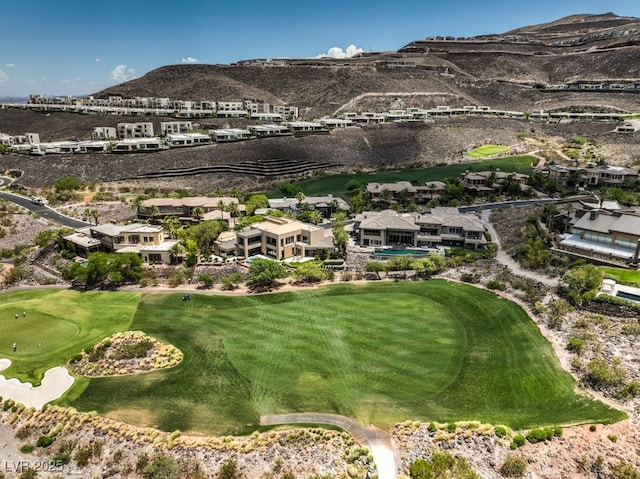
<point>58,324</point>
<point>379,353</point>
<point>338,184</point>
<point>622,275</point>
<point>487,150</point>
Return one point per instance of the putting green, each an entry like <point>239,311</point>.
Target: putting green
<point>52,333</point>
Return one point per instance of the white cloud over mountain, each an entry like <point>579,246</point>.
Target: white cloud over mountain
<point>189,60</point>
<point>337,52</point>
<point>121,74</point>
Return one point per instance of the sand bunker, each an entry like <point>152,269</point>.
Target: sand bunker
<point>55,383</point>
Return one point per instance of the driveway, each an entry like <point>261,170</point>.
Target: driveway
<point>376,440</point>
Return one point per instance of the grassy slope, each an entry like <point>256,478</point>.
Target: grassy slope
<point>379,353</point>
<point>337,184</point>
<point>487,150</point>
<point>58,325</point>
<point>621,275</point>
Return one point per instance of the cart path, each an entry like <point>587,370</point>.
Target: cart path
<point>377,440</point>
<point>503,258</point>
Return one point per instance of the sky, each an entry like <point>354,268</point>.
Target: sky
<point>79,47</point>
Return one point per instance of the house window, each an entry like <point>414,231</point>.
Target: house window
<point>134,239</point>
<point>455,230</point>
<point>155,258</point>
<point>372,233</point>
<point>289,240</point>
<point>271,241</point>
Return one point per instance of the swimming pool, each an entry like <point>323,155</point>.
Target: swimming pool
<point>632,297</point>
<point>401,252</point>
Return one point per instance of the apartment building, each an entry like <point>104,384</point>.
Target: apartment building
<point>173,127</point>
<point>135,130</point>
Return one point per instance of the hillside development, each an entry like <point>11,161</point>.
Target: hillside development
<point>512,369</point>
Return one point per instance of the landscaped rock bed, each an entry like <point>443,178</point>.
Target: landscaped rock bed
<point>128,352</point>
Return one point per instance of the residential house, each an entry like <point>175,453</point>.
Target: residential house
<point>148,241</point>
<point>493,181</point>
<point>602,234</point>
<point>440,227</point>
<point>327,205</point>
<point>602,175</point>
<point>187,139</point>
<point>183,208</point>
<point>282,238</point>
<point>404,190</point>
<point>141,145</point>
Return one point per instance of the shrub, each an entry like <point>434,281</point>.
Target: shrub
<point>500,431</point>
<point>518,441</point>
<point>513,466</point>
<point>496,284</point>
<point>613,437</point>
<point>44,441</point>
<point>592,428</point>
<point>576,345</point>
<point>62,458</point>
<point>162,467</point>
<point>540,435</point>
<point>442,464</point>
<point>601,374</point>
<point>28,473</point>
<point>451,427</point>
<point>27,448</point>
<point>83,455</point>
<point>229,470</point>
<point>624,470</point>
<point>135,350</point>
<point>432,427</point>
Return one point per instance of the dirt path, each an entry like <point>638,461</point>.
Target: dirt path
<point>377,440</point>
<point>503,258</point>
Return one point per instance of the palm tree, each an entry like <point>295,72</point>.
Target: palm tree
<point>176,251</point>
<point>87,214</point>
<point>197,212</point>
<point>235,192</point>
<point>137,204</point>
<point>95,214</point>
<point>232,209</point>
<point>217,192</point>
<point>316,217</point>
<point>569,209</point>
<point>171,224</point>
<point>153,211</point>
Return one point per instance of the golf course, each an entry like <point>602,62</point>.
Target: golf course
<point>378,352</point>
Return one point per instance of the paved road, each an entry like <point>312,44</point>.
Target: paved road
<point>377,440</point>
<point>43,211</point>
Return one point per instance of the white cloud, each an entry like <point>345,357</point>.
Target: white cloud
<point>189,60</point>
<point>121,74</point>
<point>337,52</point>
<point>98,60</point>
<point>4,78</point>
<point>10,65</point>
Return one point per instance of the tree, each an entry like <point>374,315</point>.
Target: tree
<point>256,201</point>
<point>340,235</point>
<point>205,234</point>
<point>171,224</point>
<point>300,196</point>
<point>264,273</point>
<point>67,183</point>
<point>376,267</point>
<point>400,263</point>
<point>232,209</point>
<point>580,280</point>
<point>308,272</point>
<point>153,211</point>
<point>95,214</point>
<point>176,251</point>
<point>197,212</point>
